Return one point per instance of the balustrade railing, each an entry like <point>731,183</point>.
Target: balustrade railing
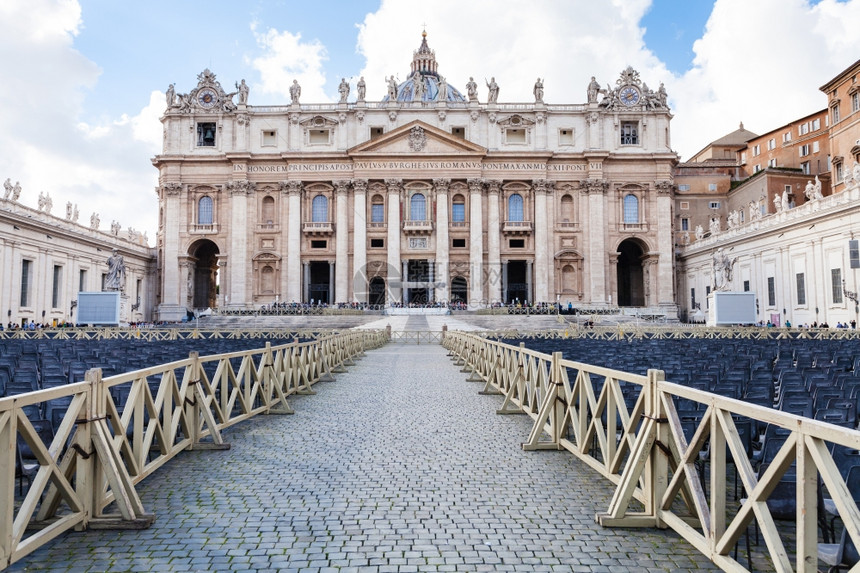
<point>116,431</point>
<point>644,450</point>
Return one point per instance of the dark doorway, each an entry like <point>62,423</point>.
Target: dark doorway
<point>631,285</point>
<point>205,274</point>
<point>318,290</point>
<point>518,288</point>
<point>377,291</point>
<point>418,270</point>
<point>459,290</point>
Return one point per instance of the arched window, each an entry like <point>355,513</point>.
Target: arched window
<point>631,209</point>
<point>567,209</point>
<point>418,208</point>
<point>319,209</point>
<point>458,209</point>
<point>268,210</point>
<point>515,207</point>
<point>377,209</point>
<point>204,210</point>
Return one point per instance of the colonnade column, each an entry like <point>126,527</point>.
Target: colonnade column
<point>169,307</point>
<point>596,191</point>
<point>476,242</point>
<point>394,292</point>
<point>441,186</point>
<point>294,242</point>
<point>665,282</point>
<point>240,276</point>
<point>541,187</point>
<point>341,229</point>
<point>359,240</point>
<point>494,263</point>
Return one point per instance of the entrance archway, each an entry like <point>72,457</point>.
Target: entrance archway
<point>459,290</point>
<point>205,274</point>
<point>377,291</point>
<point>631,281</point>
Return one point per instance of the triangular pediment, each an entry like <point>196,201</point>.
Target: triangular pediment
<point>417,138</point>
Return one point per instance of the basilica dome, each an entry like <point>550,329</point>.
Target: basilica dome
<point>424,82</point>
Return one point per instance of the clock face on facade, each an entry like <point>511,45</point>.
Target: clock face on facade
<point>207,97</point>
<point>629,96</point>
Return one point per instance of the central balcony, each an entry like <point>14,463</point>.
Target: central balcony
<point>417,227</point>
<point>517,227</point>
<point>318,228</point>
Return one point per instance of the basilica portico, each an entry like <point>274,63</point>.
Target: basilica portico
<point>427,196</point>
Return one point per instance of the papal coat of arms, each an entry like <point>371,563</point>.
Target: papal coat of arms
<point>417,138</point>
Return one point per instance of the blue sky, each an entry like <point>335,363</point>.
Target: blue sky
<point>85,79</point>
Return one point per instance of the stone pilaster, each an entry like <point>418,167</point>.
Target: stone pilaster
<point>359,240</point>
<point>393,281</point>
<point>170,308</point>
<point>442,246</point>
<point>293,189</point>
<point>665,289</point>
<point>341,278</point>
<point>240,275</point>
<point>494,262</point>
<point>476,242</point>
<point>540,188</point>
<point>596,191</point>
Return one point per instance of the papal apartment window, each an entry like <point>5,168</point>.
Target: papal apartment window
<point>206,134</point>
<point>57,287</point>
<point>836,285</point>
<point>458,209</point>
<point>771,291</point>
<point>319,209</point>
<point>515,207</point>
<point>839,174</point>
<point>801,288</point>
<point>204,210</point>
<point>685,224</point>
<point>743,158</point>
<point>631,209</point>
<point>815,147</point>
<point>629,133</point>
<point>26,267</point>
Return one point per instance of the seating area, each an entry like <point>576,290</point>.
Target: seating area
<point>817,379</point>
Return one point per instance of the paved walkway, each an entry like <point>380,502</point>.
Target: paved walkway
<point>399,465</point>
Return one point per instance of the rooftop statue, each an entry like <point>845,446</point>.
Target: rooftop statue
<point>361,88</point>
<point>295,92</point>
<point>538,91</point>
<point>343,90</point>
<point>472,89</point>
<point>493,95</point>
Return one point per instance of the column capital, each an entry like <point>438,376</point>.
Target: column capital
<point>664,187</point>
<point>172,188</point>
<point>291,187</point>
<point>359,185</point>
<point>542,186</point>
<point>594,186</point>
<point>241,187</point>
<point>394,186</point>
<point>440,185</point>
<point>341,187</point>
<point>476,186</point>
<point>494,186</point>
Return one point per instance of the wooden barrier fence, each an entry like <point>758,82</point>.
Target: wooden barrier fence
<point>644,452</point>
<point>118,430</point>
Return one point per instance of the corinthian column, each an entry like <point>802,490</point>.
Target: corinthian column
<point>441,274</point>
<point>394,292</point>
<point>596,191</point>
<point>294,239</point>
<point>476,242</point>
<point>169,308</point>
<point>341,239</point>
<point>541,187</point>
<point>240,274</point>
<point>359,240</point>
<point>665,284</point>
<point>494,262</point>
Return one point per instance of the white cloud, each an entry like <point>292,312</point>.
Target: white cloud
<point>287,58</point>
<point>47,146</point>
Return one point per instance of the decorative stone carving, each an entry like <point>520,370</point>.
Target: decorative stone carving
<point>417,138</point>
<point>474,115</point>
<point>541,186</point>
<point>392,116</point>
<point>75,213</point>
<point>241,187</point>
<point>392,88</point>
<point>115,278</point>
<point>442,115</point>
<point>172,188</point>
<point>341,187</point>
<point>114,228</point>
<point>207,96</point>
<point>722,267</point>
<point>714,226</point>
<point>45,202</point>
<point>475,185</point>
<point>359,115</point>
<point>595,186</point>
<point>593,90</point>
<point>494,186</point>
<point>394,186</point>
<point>440,185</point>
<point>663,187</point>
<point>294,118</point>
<point>94,221</point>
<point>359,186</point>
<point>630,93</point>
<point>700,233</point>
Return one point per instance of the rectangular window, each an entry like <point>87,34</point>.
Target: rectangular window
<point>855,102</point>
<point>104,281</point>
<point>712,186</point>
<point>804,150</point>
<point>319,244</point>
<point>515,136</point>
<point>376,132</point>
<point>786,137</point>
<point>835,114</point>
<point>82,281</point>
<point>459,132</point>
<point>707,294</point>
<point>26,267</point>
<point>815,147</point>
<point>771,162</point>
<point>746,286</point>
<point>801,288</point>
<point>458,212</point>
<point>516,243</point>
<point>771,144</point>
<point>377,213</point>
<point>318,136</point>
<point>629,133</point>
<point>57,287</point>
<point>756,150</point>
<point>854,254</point>
<point>565,136</point>
<point>838,167</point>
<point>771,291</point>
<point>377,243</point>
<point>685,224</point>
<point>270,138</point>
<point>684,187</point>
<point>804,166</point>
<point>137,289</point>
<point>836,285</point>
<point>692,298</point>
<point>803,128</point>
<point>206,134</point>
<point>458,243</point>
<point>714,205</point>
<point>816,124</point>
<point>756,168</point>
<point>685,205</point>
<point>743,158</point>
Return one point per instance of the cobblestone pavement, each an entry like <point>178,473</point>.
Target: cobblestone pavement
<point>399,465</point>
